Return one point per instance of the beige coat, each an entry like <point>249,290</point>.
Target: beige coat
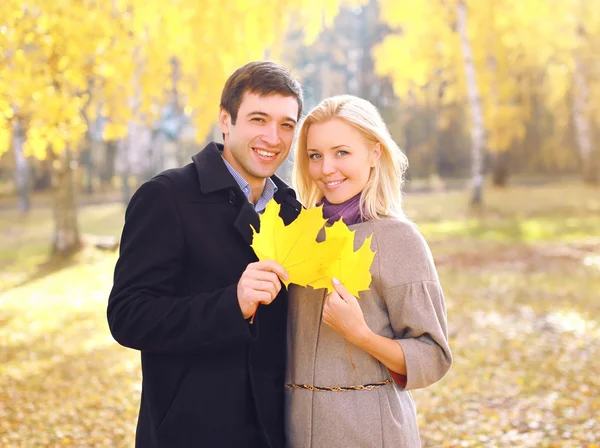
<point>405,303</point>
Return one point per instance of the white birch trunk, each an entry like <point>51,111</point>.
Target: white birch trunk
<point>582,123</point>
<point>21,168</point>
<point>477,130</point>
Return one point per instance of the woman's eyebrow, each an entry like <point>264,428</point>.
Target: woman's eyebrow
<point>332,148</point>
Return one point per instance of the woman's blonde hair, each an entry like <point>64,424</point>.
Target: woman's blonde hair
<point>382,196</point>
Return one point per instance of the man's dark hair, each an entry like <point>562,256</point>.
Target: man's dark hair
<point>262,78</point>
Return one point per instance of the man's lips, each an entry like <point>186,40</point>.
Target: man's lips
<point>264,153</point>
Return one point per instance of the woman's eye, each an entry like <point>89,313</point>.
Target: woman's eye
<point>314,156</point>
<point>342,153</point>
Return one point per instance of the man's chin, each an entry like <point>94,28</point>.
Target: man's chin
<point>262,174</point>
<point>268,174</point>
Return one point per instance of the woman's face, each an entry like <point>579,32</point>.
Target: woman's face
<point>339,159</point>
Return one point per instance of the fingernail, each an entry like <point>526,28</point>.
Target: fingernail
<point>336,281</point>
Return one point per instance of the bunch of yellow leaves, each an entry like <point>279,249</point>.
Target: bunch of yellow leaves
<point>312,263</point>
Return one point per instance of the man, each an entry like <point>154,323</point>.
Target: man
<point>187,282</point>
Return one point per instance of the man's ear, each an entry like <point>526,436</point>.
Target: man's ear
<point>224,120</point>
<point>376,154</point>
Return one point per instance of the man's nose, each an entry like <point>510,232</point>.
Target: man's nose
<point>271,135</point>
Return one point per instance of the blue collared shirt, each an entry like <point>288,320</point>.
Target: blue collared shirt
<point>267,194</point>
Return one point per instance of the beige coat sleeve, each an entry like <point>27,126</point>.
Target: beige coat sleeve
<point>415,302</point>
<point>418,317</point>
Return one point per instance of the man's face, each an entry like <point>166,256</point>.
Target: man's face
<point>259,141</point>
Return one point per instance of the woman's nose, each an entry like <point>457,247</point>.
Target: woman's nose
<point>328,166</point>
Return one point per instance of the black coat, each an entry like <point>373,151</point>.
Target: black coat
<point>210,379</point>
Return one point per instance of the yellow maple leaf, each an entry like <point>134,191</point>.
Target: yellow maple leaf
<point>351,268</point>
<point>294,246</point>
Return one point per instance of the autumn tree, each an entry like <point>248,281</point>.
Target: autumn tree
<point>66,62</point>
<point>487,58</point>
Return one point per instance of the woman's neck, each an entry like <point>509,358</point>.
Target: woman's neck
<point>349,211</point>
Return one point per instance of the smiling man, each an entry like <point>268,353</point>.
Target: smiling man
<point>187,282</point>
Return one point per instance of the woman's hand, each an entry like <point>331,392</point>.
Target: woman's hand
<point>342,312</point>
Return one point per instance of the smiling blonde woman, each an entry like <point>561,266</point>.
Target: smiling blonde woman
<point>396,332</point>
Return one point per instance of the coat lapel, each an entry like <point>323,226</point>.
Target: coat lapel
<point>286,197</point>
<point>247,217</point>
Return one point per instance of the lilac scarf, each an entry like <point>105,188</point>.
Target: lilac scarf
<point>349,211</point>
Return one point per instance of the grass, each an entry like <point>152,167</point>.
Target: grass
<point>522,282</point>
<point>26,239</point>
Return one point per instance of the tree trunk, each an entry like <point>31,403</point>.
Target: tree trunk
<point>21,168</point>
<point>125,167</point>
<point>87,154</point>
<point>582,125</point>
<point>477,132</point>
<point>66,234</point>
<point>42,175</point>
<point>108,170</point>
<point>500,170</point>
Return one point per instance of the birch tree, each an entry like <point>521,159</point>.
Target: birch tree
<point>477,130</point>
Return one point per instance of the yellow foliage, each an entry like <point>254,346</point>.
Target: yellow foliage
<point>510,39</point>
<point>294,246</point>
<point>118,56</point>
<point>351,268</point>
<point>308,262</point>
<point>5,136</point>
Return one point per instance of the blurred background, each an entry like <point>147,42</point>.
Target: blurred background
<point>496,104</point>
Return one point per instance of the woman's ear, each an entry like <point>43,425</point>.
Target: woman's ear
<point>376,154</point>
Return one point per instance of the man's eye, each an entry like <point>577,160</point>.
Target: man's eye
<point>288,125</point>
<point>259,119</point>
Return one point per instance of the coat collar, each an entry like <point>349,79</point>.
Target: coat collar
<point>214,176</point>
<point>212,172</point>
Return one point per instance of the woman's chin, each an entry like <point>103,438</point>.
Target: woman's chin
<point>335,198</point>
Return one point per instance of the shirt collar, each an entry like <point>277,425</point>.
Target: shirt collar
<point>267,194</point>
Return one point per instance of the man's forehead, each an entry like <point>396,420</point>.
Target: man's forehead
<point>271,104</point>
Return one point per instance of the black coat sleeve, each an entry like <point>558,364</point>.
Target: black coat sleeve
<point>144,310</point>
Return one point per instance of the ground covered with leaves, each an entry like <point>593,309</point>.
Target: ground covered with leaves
<point>522,283</point>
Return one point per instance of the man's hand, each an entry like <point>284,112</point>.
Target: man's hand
<point>259,284</point>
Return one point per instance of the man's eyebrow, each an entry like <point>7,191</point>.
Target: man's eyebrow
<point>264,114</point>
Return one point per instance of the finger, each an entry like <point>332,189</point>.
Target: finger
<point>335,297</point>
<point>263,286</point>
<point>266,276</point>
<point>335,301</point>
<point>326,310</point>
<point>325,317</point>
<point>263,297</point>
<point>272,266</point>
<point>342,291</point>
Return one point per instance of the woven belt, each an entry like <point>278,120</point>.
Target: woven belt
<point>340,388</point>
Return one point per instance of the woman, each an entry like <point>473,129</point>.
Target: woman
<point>352,361</point>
